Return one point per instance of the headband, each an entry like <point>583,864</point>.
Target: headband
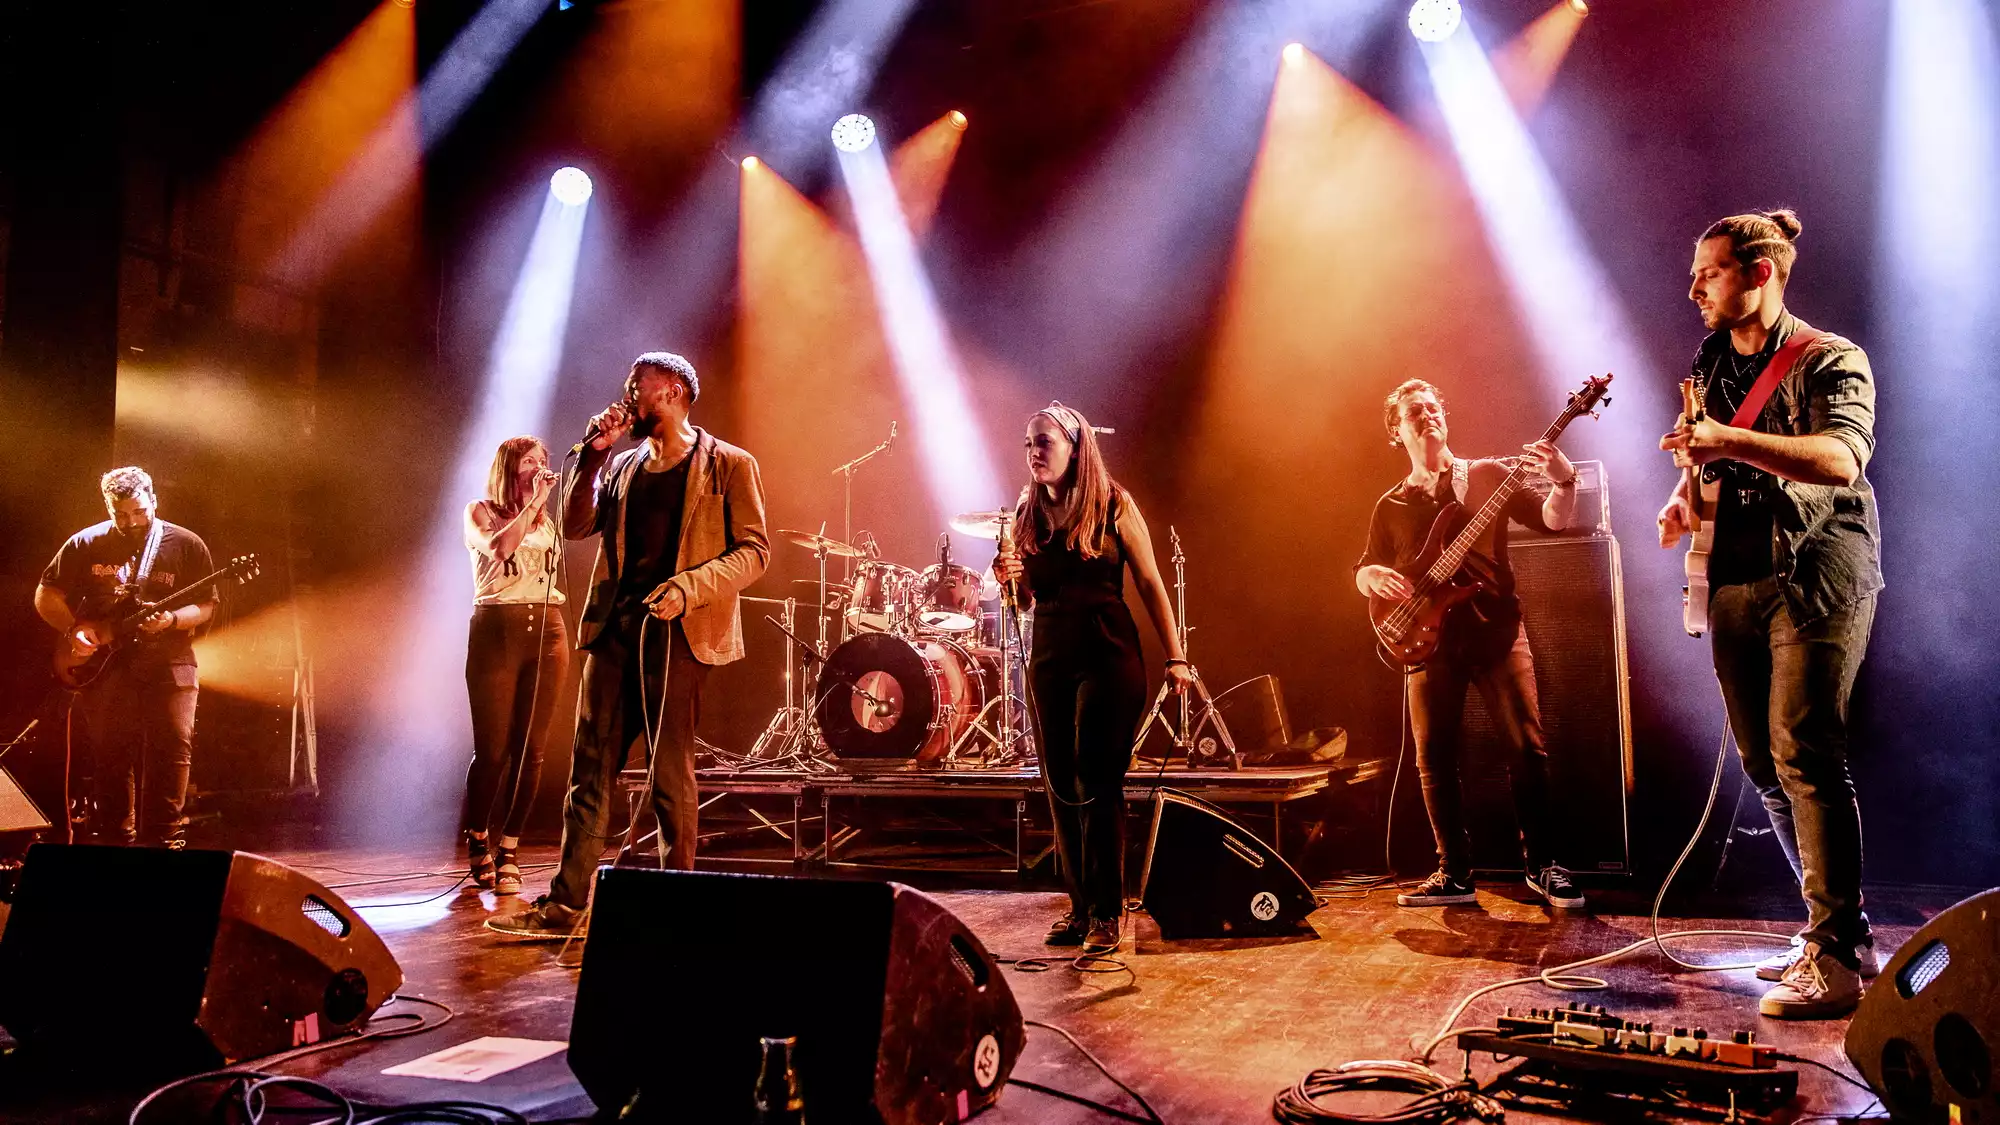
<point>1070,421</point>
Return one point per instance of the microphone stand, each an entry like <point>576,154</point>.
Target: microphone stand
<point>846,473</point>
<point>1183,734</point>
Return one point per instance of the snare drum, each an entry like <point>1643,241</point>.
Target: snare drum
<point>881,598</point>
<point>950,599</point>
<point>884,696</point>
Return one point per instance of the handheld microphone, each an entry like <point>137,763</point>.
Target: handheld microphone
<point>593,431</point>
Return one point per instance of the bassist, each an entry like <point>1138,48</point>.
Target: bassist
<point>146,694</point>
<point>1483,643</point>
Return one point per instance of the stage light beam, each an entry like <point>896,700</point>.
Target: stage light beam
<point>570,186</point>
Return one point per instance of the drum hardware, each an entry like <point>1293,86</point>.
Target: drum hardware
<point>790,736</point>
<point>1219,748</point>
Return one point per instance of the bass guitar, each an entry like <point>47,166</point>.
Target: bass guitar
<point>116,619</point>
<point>1702,501</point>
<point>1409,630</point>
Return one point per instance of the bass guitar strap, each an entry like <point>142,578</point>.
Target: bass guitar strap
<point>1774,371</point>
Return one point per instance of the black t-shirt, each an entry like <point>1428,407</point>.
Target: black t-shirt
<point>90,567</point>
<point>1485,624</point>
<point>652,535</point>
<point>1744,510</point>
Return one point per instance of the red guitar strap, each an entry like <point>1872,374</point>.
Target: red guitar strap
<point>1767,383</point>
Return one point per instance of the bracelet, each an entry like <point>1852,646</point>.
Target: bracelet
<point>1570,483</point>
<point>1171,661</point>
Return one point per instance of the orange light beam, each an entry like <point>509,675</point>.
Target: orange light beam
<point>1527,64</point>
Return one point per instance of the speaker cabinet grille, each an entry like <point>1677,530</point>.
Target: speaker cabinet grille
<point>1573,601</point>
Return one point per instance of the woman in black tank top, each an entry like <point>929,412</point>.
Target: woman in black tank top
<point>1074,534</point>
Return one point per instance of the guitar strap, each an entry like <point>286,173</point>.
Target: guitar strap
<point>146,556</point>
<point>1461,477</point>
<point>1774,371</point>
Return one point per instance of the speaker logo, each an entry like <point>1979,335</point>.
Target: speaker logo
<point>1263,906</point>
<point>986,1061</point>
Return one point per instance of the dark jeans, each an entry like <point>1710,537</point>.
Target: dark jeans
<point>609,719</point>
<point>516,666</point>
<point>1786,688</point>
<point>136,728</point>
<point>1088,706</point>
<point>1437,711</point>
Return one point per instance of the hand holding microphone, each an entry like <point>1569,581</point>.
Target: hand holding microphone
<point>609,425</point>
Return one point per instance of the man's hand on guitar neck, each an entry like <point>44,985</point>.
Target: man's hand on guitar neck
<point>1383,582</point>
<point>159,622</point>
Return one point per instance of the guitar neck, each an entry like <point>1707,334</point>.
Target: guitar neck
<point>1453,557</point>
<point>186,595</point>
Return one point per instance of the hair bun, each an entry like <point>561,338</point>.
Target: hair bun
<point>1787,221</point>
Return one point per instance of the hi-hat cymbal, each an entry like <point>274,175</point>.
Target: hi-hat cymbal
<point>980,525</point>
<point>817,543</point>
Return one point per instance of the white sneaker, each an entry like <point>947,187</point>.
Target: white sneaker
<point>1816,987</point>
<point>1773,968</point>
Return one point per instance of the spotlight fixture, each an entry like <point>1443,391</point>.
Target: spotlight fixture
<point>853,133</point>
<point>749,163</point>
<point>1579,7</point>
<point>1434,20</point>
<point>1295,52</point>
<point>958,120</point>
<point>570,186</point>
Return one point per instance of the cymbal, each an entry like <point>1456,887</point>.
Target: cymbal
<point>818,543</point>
<point>980,525</point>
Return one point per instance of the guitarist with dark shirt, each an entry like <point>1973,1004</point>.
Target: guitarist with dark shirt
<point>146,693</point>
<point>1792,577</point>
<point>1483,642</point>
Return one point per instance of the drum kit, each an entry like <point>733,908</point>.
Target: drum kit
<point>910,669</point>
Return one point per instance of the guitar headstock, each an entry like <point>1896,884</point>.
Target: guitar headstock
<point>1594,393</point>
<point>1694,400</point>
<point>243,568</point>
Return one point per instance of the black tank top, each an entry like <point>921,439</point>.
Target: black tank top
<point>1063,581</point>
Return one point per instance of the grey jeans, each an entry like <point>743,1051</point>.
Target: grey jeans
<point>1786,688</point>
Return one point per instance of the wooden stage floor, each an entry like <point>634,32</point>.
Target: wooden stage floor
<point>1208,1031</point>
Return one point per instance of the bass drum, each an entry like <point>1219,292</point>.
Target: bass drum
<point>881,696</point>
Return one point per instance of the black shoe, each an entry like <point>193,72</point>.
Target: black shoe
<point>546,920</point>
<point>1068,930</point>
<point>1553,884</point>
<point>1103,936</point>
<point>1439,890</point>
<point>479,862</point>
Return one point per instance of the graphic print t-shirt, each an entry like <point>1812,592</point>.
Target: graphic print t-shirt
<point>90,567</point>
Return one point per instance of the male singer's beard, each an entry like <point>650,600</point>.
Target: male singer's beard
<point>644,426</point>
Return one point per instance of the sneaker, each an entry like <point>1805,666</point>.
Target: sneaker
<point>1773,968</point>
<point>1816,987</point>
<point>1553,884</point>
<point>1103,936</point>
<point>1439,890</point>
<point>546,920</point>
<point>1068,930</point>
<point>506,872</point>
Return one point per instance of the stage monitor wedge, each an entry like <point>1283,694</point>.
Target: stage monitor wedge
<point>901,1016</point>
<point>1928,1029</point>
<point>176,960</point>
<point>1207,876</point>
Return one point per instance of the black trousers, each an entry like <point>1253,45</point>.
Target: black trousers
<point>516,666</point>
<point>1089,692</point>
<point>617,701</point>
<point>135,726</point>
<point>1437,711</point>
<point>1786,688</point>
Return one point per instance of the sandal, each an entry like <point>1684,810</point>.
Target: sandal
<point>482,875</point>
<point>507,878</point>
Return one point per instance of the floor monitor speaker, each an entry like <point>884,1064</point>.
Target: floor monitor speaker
<point>17,810</point>
<point>179,959</point>
<point>899,1015</point>
<point>1207,876</point>
<point>1928,1028</point>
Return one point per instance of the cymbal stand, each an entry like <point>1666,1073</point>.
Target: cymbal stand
<point>1185,734</point>
<point>846,474</point>
<point>1011,743</point>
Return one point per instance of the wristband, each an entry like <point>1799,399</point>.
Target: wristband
<point>1177,660</point>
<point>1570,483</point>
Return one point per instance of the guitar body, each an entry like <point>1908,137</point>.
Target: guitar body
<point>1408,632</point>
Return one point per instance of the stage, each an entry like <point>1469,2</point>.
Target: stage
<point>1208,1031</point>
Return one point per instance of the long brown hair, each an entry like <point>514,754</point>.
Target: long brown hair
<point>503,479</point>
<point>1083,514</point>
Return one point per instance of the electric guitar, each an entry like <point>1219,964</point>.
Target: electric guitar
<point>117,617</point>
<point>1702,499</point>
<point>1409,630</point>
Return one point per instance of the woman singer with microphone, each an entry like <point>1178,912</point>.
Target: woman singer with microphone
<point>517,655</point>
<point>1074,533</point>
